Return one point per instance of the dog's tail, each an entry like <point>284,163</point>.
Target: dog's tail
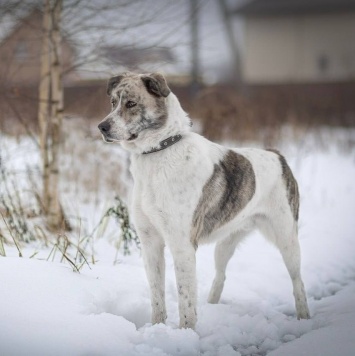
<point>291,185</point>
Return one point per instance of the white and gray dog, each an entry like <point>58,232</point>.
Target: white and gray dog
<point>189,191</point>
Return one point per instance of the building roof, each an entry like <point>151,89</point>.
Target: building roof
<point>293,7</point>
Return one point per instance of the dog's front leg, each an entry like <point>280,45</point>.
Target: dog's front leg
<point>154,263</point>
<point>185,271</point>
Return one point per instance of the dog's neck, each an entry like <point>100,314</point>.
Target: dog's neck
<point>178,123</point>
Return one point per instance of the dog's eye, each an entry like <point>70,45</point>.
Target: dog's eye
<point>130,104</point>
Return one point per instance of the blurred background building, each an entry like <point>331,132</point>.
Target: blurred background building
<point>298,41</point>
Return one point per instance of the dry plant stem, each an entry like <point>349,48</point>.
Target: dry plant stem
<point>66,244</point>
<point>41,234</point>
<point>77,251</point>
<point>2,248</point>
<point>69,260</point>
<point>13,238</point>
<point>52,251</point>
<point>34,254</point>
<point>84,259</point>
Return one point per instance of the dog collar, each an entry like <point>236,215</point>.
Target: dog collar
<point>165,144</point>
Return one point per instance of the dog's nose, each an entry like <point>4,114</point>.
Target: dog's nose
<point>104,127</point>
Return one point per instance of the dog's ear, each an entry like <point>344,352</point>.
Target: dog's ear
<point>112,83</point>
<point>156,84</point>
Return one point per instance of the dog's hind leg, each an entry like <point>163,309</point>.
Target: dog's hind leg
<point>283,233</point>
<point>223,252</point>
<point>292,257</point>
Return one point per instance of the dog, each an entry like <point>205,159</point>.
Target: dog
<point>189,190</point>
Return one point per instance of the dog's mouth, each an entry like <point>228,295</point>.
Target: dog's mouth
<point>107,139</point>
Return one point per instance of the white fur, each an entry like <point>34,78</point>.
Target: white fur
<point>167,187</point>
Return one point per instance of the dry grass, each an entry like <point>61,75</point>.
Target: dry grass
<point>92,175</point>
<point>259,114</point>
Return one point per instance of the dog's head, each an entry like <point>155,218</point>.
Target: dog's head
<point>138,104</point>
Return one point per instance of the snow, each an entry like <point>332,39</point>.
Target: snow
<point>337,335</point>
<point>47,309</point>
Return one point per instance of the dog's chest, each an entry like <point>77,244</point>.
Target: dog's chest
<point>168,188</point>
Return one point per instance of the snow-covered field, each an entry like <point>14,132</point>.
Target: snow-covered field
<point>47,309</point>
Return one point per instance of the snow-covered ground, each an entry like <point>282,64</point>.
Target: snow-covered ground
<point>47,309</point>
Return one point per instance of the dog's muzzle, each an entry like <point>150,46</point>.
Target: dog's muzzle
<point>105,128</point>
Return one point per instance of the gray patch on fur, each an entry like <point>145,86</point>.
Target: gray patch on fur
<point>291,185</point>
<point>226,193</point>
<point>160,116</point>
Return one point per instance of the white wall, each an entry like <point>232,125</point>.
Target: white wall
<point>290,49</point>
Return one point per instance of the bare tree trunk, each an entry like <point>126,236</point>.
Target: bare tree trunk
<point>44,101</point>
<point>51,114</point>
<point>55,216</point>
